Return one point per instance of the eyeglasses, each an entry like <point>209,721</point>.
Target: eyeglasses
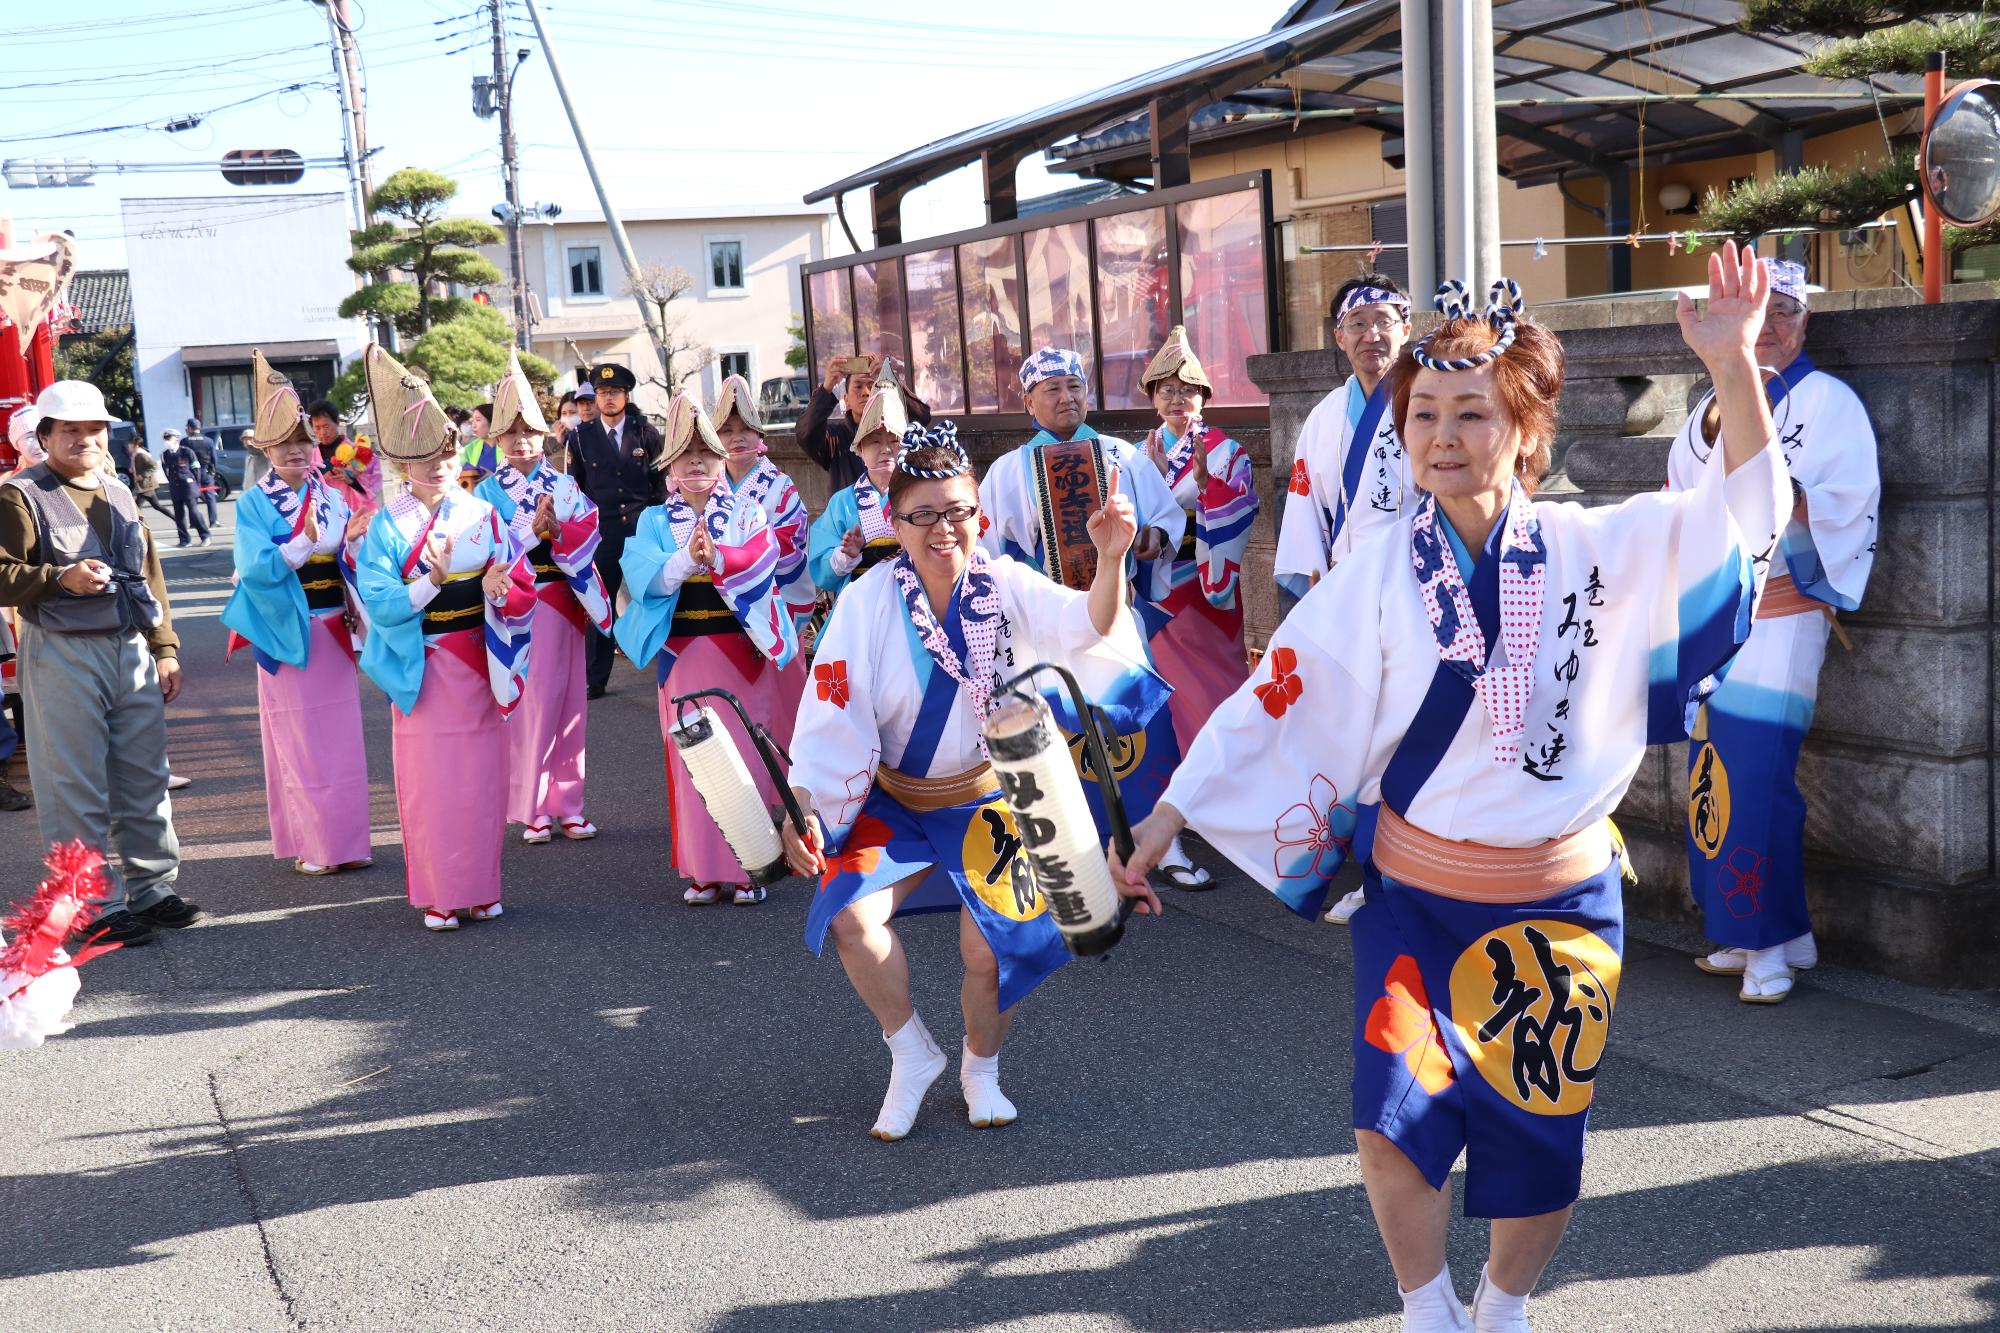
<point>1382,324</point>
<point>927,518</point>
<point>1176,389</point>
<point>1783,310</point>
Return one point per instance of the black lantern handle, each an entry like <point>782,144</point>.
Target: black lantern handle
<point>766,745</point>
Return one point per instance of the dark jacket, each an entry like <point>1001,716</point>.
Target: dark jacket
<point>829,440</point>
<point>181,466</point>
<point>621,483</point>
<point>203,449</point>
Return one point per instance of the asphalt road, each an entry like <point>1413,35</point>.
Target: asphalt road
<point>611,1110</point>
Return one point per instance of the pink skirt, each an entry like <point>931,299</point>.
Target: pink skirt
<point>451,784</point>
<point>546,733</point>
<point>315,763</point>
<point>699,851</point>
<point>1204,663</point>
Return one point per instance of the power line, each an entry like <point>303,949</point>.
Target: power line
<point>163,122</point>
<point>111,30</point>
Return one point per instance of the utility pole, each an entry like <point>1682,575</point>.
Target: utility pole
<point>355,192</point>
<point>618,236</point>
<point>354,131</point>
<point>503,95</point>
<point>1471,185</point>
<point>1423,146</point>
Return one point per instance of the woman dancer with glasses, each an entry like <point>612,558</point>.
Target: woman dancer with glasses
<point>904,812</point>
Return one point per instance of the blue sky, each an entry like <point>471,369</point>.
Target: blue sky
<point>686,102</point>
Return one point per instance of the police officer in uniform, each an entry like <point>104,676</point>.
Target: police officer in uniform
<point>615,459</point>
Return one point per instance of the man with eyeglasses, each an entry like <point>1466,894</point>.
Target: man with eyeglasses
<point>1349,476</point>
<point>1746,817</point>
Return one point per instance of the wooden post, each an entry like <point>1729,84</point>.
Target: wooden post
<point>1934,256</point>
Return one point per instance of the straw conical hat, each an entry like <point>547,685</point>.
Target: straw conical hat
<point>885,410</point>
<point>514,398</point>
<point>687,423</point>
<point>735,396</point>
<point>1175,357</point>
<point>280,419</point>
<point>409,425</point>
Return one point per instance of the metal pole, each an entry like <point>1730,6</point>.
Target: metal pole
<point>358,101</point>
<point>346,122</point>
<point>1934,256</point>
<point>1419,177</point>
<point>1456,164</point>
<point>618,237</point>
<point>503,91</point>
<point>1484,242</point>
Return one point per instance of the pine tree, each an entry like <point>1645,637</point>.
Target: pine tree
<point>1870,37</point>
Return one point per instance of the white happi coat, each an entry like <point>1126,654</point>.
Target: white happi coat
<point>870,672</point>
<point>1829,449</point>
<point>1307,544</point>
<point>1640,602</point>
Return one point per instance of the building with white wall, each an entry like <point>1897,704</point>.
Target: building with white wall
<point>745,264</point>
<point>214,279</point>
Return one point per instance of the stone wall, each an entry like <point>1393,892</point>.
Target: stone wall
<point>1898,769</point>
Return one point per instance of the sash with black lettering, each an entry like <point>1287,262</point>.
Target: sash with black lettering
<point>1359,445</point>
<point>1069,488</point>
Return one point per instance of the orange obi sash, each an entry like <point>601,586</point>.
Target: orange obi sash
<point>1069,487</point>
<point>1475,872</point>
<point>925,795</point>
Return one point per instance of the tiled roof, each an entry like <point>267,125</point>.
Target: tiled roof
<point>103,300</point>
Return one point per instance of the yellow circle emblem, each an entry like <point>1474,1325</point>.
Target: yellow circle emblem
<point>1532,1004</point>
<point>996,868</point>
<point>1124,752</point>
<point>1708,800</point>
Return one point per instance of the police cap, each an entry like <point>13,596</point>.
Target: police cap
<point>613,376</point>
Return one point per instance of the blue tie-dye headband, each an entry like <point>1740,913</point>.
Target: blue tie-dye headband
<point>1362,296</point>
<point>1049,362</point>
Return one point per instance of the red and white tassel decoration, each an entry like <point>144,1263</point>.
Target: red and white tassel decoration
<point>38,980</point>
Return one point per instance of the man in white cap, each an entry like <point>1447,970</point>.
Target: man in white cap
<point>1746,817</point>
<point>99,662</point>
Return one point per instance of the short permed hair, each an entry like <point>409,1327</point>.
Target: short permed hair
<point>1528,378</point>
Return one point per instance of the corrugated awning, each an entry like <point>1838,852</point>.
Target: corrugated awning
<point>235,354</point>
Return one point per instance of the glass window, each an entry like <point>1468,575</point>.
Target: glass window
<point>1222,290</point>
<point>733,363</point>
<point>878,308</point>
<point>226,398</point>
<point>725,265</point>
<point>1059,294</point>
<point>1133,305</point>
<point>936,366</point>
<point>586,271</point>
<point>832,317</point>
<point>991,281</point>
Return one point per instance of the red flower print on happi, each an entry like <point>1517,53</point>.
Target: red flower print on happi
<point>1284,687</point>
<point>861,853</point>
<point>1318,828</point>
<point>1300,484</point>
<point>1400,1023</point>
<point>984,524</point>
<point>830,679</point>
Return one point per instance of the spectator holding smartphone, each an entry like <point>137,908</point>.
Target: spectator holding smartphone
<point>829,440</point>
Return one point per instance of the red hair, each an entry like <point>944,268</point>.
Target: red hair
<point>1527,378</point>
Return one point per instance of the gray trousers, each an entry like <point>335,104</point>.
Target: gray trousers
<point>100,759</point>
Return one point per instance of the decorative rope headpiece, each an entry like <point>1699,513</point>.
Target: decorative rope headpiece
<point>943,435</point>
<point>1503,311</point>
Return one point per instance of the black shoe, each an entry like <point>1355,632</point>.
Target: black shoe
<point>13,798</point>
<point>596,692</point>
<point>119,927</point>
<point>172,911</point>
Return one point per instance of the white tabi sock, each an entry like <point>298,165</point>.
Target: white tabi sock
<point>915,1063</point>
<point>1434,1307</point>
<point>979,1079</point>
<point>1494,1311</point>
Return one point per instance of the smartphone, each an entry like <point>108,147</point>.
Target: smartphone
<point>855,365</point>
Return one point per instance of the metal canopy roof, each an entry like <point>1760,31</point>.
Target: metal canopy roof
<point>1329,54</point>
<point>1219,72</point>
